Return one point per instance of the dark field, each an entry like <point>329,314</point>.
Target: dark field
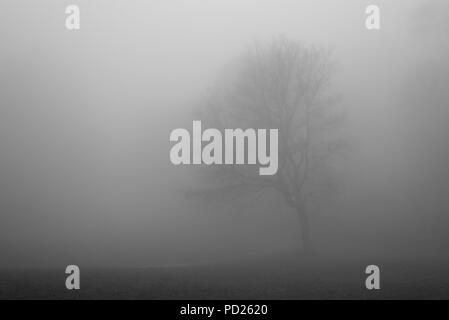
<point>284,280</point>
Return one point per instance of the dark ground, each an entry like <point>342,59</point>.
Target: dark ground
<point>314,279</point>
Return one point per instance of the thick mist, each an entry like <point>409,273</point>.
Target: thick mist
<point>85,119</point>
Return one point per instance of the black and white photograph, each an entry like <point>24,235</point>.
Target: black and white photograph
<point>224,150</point>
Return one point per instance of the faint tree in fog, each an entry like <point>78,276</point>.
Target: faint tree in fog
<point>426,115</point>
<point>282,85</point>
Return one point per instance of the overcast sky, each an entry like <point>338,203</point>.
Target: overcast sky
<point>86,117</point>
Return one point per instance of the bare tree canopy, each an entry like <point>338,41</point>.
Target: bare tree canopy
<point>284,85</point>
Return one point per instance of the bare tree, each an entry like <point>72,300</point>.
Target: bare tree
<point>282,85</point>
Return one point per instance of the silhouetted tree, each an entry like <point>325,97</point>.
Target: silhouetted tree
<point>282,85</point>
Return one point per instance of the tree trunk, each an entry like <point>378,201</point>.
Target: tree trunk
<point>304,228</point>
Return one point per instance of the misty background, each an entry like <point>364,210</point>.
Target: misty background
<point>85,118</point>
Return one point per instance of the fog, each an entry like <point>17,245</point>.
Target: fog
<point>85,119</point>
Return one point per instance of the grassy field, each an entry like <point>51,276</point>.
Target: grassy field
<point>271,280</point>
